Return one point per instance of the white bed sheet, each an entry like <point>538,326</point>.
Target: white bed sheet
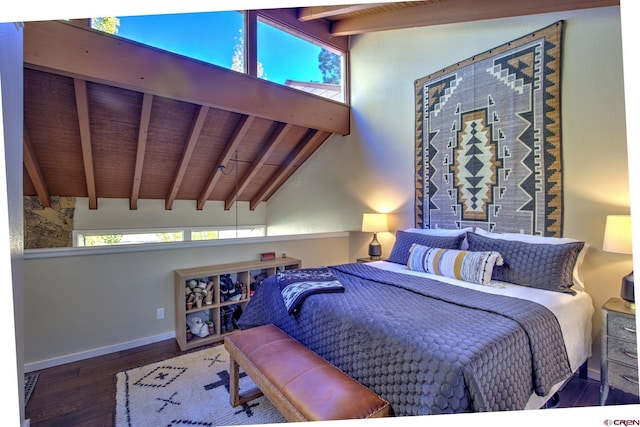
<point>574,314</point>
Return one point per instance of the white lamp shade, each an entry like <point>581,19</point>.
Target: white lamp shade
<point>374,222</point>
<point>617,234</point>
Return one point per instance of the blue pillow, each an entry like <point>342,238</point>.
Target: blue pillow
<point>404,241</point>
<point>536,265</point>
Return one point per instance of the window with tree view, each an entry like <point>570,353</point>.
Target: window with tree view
<point>218,38</point>
<point>295,62</point>
<point>211,37</point>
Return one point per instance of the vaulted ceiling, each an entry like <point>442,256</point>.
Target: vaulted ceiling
<point>109,118</point>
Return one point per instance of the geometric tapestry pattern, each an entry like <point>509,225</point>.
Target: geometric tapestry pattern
<point>488,140</point>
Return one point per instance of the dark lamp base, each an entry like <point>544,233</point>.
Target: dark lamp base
<point>626,291</point>
<point>375,249</point>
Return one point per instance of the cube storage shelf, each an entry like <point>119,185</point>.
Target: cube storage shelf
<point>208,308</point>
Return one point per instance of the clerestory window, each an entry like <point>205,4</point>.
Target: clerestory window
<point>92,238</point>
<point>283,56</point>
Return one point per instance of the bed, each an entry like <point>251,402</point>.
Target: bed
<point>440,326</point>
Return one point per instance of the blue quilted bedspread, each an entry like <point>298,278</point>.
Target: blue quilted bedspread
<point>425,346</point>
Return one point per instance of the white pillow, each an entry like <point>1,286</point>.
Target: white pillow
<point>443,232</point>
<point>578,282</point>
<point>440,231</point>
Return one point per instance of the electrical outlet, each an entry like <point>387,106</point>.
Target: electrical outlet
<point>160,314</point>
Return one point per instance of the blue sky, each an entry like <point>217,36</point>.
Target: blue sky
<point>212,37</point>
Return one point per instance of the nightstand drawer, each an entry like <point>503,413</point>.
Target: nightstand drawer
<point>623,377</point>
<point>621,326</point>
<point>619,361</point>
<point>622,351</point>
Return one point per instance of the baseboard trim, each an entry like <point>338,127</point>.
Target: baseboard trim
<point>593,374</point>
<point>44,364</point>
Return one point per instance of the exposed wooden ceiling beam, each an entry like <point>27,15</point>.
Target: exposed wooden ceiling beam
<point>82,105</point>
<point>451,11</point>
<point>317,30</point>
<point>88,54</point>
<point>318,12</point>
<point>304,149</point>
<point>269,145</point>
<point>194,135</point>
<point>311,150</point>
<point>143,132</point>
<point>238,134</point>
<point>32,166</point>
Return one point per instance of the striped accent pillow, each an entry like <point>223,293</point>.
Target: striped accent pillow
<point>474,267</point>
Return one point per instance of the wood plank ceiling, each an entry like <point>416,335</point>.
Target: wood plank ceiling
<point>108,118</point>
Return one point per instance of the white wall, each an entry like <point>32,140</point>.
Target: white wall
<point>116,214</point>
<point>373,167</point>
<point>78,306</point>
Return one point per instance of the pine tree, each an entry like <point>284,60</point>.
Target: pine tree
<point>329,64</point>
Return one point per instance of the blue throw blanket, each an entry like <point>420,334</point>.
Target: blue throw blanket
<point>296,285</point>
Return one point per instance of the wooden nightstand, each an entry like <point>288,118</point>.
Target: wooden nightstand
<point>619,361</point>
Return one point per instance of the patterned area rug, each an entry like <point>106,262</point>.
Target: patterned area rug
<point>189,390</point>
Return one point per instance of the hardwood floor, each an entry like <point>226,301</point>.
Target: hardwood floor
<point>83,393</point>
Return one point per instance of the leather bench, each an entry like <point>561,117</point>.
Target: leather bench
<point>298,382</point>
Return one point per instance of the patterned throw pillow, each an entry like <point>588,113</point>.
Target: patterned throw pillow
<point>474,267</point>
<point>404,240</point>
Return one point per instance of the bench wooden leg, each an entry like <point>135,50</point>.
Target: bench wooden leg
<point>234,382</point>
<point>234,386</point>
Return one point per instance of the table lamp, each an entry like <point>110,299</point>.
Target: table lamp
<point>374,223</point>
<point>617,239</point>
